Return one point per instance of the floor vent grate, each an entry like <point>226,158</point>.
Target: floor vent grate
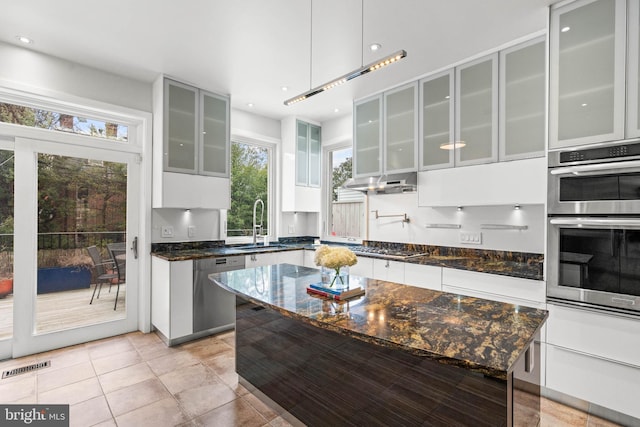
<point>25,369</point>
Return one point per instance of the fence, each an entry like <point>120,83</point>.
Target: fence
<point>347,219</point>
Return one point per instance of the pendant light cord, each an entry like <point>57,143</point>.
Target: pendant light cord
<point>311,45</point>
<point>361,33</point>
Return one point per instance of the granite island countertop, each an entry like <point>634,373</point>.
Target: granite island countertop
<point>476,334</point>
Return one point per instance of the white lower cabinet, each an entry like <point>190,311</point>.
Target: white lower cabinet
<point>594,356</point>
<point>309,258</point>
<point>603,382</point>
<point>291,257</point>
<point>172,297</point>
<point>363,268</point>
<point>512,290</point>
<point>391,271</point>
<point>423,276</point>
<point>257,260</point>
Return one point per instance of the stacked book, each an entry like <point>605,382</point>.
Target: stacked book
<point>320,289</point>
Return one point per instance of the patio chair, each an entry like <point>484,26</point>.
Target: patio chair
<point>118,254</point>
<point>104,271</point>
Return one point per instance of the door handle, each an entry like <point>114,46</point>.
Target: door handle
<point>134,247</point>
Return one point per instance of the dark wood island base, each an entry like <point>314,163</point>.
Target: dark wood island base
<point>323,377</point>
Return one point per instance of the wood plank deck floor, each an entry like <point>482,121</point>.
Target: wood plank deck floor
<point>67,309</point>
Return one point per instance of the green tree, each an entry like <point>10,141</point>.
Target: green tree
<point>341,174</point>
<point>249,177</point>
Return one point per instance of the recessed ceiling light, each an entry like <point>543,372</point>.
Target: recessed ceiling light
<point>565,29</point>
<point>25,40</point>
<point>374,47</point>
<point>284,88</point>
<point>250,104</point>
<point>336,110</point>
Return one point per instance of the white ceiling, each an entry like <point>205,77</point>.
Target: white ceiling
<point>251,48</point>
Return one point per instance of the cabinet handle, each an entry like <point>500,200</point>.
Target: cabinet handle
<point>529,362</point>
<point>387,264</point>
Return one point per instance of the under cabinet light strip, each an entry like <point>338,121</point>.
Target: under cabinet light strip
<point>349,76</point>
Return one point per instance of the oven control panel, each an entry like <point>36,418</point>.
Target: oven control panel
<point>600,153</point>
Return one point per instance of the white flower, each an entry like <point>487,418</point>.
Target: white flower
<point>334,257</point>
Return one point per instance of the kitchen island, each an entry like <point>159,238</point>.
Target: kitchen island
<point>399,355</point>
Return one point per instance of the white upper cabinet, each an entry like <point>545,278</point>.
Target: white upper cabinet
<point>436,121</point>
<point>477,111</point>
<point>401,129</point>
<point>633,77</point>
<point>191,136</point>
<point>522,100</point>
<point>367,132</point>
<point>587,72</point>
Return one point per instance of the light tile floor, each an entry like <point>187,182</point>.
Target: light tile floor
<point>136,380</point>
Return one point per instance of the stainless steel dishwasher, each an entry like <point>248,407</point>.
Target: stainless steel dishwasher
<point>213,307</point>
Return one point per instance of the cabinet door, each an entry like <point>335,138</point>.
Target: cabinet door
<point>363,268</point>
<point>302,153</point>
<point>477,111</point>
<point>291,257</point>
<point>587,73</point>
<point>314,155</point>
<point>257,260</point>
<point>436,121</point>
<point>633,78</point>
<point>423,276</point>
<point>522,101</point>
<point>214,134</point>
<point>367,155</point>
<point>180,127</point>
<point>400,129</point>
<point>391,271</point>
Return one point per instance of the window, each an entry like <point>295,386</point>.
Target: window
<point>250,180</point>
<point>45,119</point>
<point>346,208</point>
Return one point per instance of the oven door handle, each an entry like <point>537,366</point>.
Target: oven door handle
<point>598,168</point>
<point>626,223</point>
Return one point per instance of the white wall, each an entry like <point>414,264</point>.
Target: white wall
<point>252,125</point>
<point>392,230</point>
<point>27,70</point>
<point>337,130</point>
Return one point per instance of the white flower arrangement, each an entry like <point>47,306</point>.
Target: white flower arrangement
<point>334,257</point>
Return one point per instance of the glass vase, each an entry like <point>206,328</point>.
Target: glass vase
<point>335,279</point>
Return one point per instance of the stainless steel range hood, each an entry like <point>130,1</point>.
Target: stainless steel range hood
<point>385,184</point>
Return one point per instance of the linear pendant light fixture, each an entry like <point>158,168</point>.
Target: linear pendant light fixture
<point>365,69</point>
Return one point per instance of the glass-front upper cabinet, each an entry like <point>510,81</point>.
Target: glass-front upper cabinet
<point>308,149</point>
<point>522,100</point>
<point>587,73</point>
<point>215,134</point>
<point>436,121</point>
<point>181,127</point>
<point>400,129</point>
<point>367,155</point>
<point>477,111</point>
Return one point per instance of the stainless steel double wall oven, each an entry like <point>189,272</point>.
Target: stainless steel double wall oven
<point>593,255</point>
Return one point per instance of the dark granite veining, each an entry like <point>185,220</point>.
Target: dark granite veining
<point>185,246</point>
<point>480,335</point>
<point>297,240</point>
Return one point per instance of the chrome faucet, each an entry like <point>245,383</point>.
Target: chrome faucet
<point>255,226</point>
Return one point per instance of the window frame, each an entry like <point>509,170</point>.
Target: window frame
<point>271,196</point>
<point>327,200</point>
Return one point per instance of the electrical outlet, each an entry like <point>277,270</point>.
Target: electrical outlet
<point>292,229</point>
<point>167,231</point>
<point>471,238</point>
<point>191,230</point>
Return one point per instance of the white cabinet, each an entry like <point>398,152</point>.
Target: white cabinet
<point>301,165</point>
<point>477,111</point>
<point>437,121</point>
<point>363,268</point>
<point>367,133</point>
<point>309,258</point>
<point>512,290</point>
<point>522,103</point>
<point>423,276</point>
<point>503,183</point>
<point>633,66</point>
<point>587,72</point>
<point>260,259</point>
<point>401,129</point>
<point>390,271</point>
<point>291,257</point>
<point>191,147</point>
<point>172,297</point>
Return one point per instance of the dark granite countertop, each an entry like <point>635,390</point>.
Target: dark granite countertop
<point>506,263</point>
<point>477,334</point>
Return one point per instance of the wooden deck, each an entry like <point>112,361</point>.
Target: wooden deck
<point>65,310</point>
